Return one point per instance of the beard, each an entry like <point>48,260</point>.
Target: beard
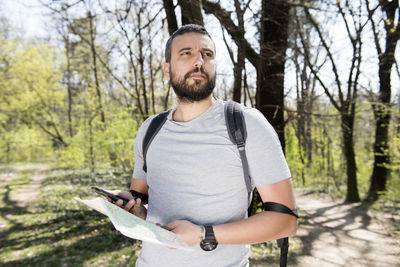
<point>199,90</point>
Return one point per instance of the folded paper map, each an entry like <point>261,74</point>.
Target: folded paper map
<point>133,226</point>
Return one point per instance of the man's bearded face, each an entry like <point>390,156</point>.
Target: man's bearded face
<point>189,89</point>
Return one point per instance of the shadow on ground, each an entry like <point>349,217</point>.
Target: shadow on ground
<point>34,236</point>
<point>340,234</point>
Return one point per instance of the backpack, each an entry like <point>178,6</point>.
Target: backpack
<point>236,127</point>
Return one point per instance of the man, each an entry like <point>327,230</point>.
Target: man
<point>194,173</point>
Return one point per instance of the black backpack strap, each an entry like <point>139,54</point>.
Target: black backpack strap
<point>237,133</point>
<point>155,125</point>
<point>277,207</point>
<point>283,243</point>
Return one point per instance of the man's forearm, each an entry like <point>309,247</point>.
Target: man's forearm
<point>256,229</point>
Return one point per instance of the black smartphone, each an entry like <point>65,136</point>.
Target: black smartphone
<point>107,194</point>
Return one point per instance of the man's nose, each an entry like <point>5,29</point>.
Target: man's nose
<point>199,60</point>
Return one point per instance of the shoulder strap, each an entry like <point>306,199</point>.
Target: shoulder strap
<point>237,133</point>
<point>277,207</point>
<point>283,244</point>
<point>155,125</point>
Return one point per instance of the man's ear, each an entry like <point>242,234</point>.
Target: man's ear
<point>165,68</point>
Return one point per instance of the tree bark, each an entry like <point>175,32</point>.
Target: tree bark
<point>68,54</point>
<point>239,64</point>
<point>141,65</point>
<point>270,76</point>
<point>171,17</point>
<point>382,110</point>
<point>347,131</point>
<point>95,71</point>
<point>305,88</point>
<point>152,74</point>
<point>191,12</point>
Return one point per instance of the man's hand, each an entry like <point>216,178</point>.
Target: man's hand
<point>190,233</point>
<point>133,206</point>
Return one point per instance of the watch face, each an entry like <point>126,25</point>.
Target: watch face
<point>208,245</point>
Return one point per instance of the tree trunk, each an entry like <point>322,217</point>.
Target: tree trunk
<point>270,72</point>
<point>347,131</point>
<point>382,109</point>
<point>152,74</point>
<point>239,64</point>
<point>95,70</point>
<point>68,54</point>
<point>141,65</point>
<point>270,76</point>
<point>305,85</point>
<point>92,161</point>
<point>171,17</point>
<point>191,12</point>
<point>381,159</point>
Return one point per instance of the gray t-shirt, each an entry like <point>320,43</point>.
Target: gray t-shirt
<point>194,172</point>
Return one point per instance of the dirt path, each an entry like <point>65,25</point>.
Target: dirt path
<point>18,196</point>
<point>24,193</point>
<point>30,192</point>
<point>337,234</point>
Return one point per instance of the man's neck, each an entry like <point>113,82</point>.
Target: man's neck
<point>187,111</point>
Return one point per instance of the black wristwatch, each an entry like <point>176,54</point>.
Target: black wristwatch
<point>209,243</point>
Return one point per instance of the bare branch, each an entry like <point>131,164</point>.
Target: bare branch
<point>310,65</point>
<point>224,18</point>
<point>375,33</point>
<point>326,46</point>
<point>227,45</point>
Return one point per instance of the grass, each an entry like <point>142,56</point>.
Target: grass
<point>56,230</point>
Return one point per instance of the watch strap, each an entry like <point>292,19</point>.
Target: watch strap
<point>209,236</point>
<point>209,243</point>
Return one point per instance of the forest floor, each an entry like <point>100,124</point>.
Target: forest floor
<point>333,233</point>
<point>28,192</point>
<point>330,233</point>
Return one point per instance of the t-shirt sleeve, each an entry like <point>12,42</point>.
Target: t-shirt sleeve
<point>138,172</point>
<point>264,153</point>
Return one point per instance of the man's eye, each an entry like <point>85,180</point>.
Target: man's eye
<point>186,53</point>
<point>207,54</point>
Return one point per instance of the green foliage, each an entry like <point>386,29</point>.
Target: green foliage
<point>395,148</point>
<point>25,144</point>
<point>118,140</point>
<point>393,191</point>
<point>324,172</point>
<point>31,97</point>
<point>265,254</point>
<point>394,144</point>
<point>34,83</point>
<point>393,186</point>
<point>293,155</point>
<point>364,138</point>
<point>112,146</point>
<point>74,155</point>
<point>35,124</point>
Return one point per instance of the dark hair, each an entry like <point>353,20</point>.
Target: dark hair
<point>182,30</point>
